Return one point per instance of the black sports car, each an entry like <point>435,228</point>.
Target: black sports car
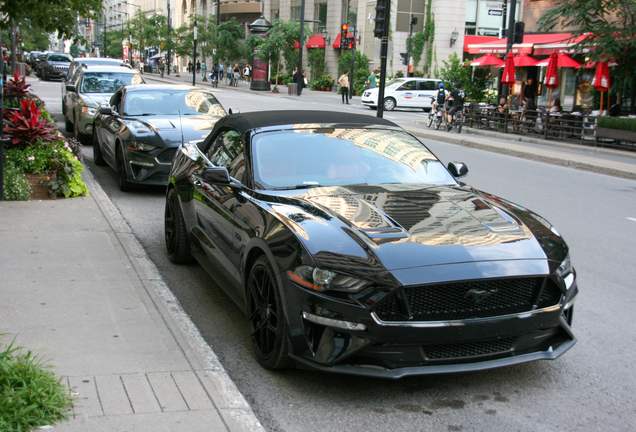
<point>352,249</point>
<point>138,133</point>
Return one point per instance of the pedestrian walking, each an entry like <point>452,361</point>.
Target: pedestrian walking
<point>298,80</point>
<point>221,71</point>
<point>344,87</point>
<point>237,74</point>
<point>189,66</point>
<point>203,69</point>
<point>162,67</point>
<point>246,73</point>
<point>198,66</point>
<point>371,81</point>
<point>230,74</point>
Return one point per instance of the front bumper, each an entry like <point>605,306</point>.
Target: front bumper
<point>362,344</point>
<point>150,168</point>
<point>85,122</point>
<point>369,100</point>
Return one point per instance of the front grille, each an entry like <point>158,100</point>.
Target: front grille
<point>167,155</point>
<point>470,349</point>
<point>468,299</point>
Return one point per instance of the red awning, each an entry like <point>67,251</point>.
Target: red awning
<point>475,40</point>
<point>336,43</point>
<point>316,41</point>
<point>529,45</point>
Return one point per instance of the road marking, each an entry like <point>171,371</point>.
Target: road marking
<point>632,219</point>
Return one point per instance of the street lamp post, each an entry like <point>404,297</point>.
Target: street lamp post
<point>300,85</point>
<point>194,58</point>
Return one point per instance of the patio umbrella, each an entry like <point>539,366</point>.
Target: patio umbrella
<point>488,60</point>
<point>551,80</point>
<point>563,60</point>
<point>508,77</point>
<point>523,60</point>
<point>601,80</point>
<point>591,64</point>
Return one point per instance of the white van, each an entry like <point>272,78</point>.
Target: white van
<point>403,93</point>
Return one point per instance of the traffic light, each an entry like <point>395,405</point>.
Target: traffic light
<point>405,58</point>
<point>343,32</point>
<point>518,36</point>
<point>381,13</point>
<point>350,42</point>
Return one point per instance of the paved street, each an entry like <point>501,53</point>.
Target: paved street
<point>589,388</point>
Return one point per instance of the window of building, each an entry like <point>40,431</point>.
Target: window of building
<point>320,13</point>
<point>406,9</point>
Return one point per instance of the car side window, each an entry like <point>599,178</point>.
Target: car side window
<point>115,102</point>
<point>227,151</point>
<point>426,85</point>
<point>408,86</point>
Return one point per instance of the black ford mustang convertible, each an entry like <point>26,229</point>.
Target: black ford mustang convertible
<point>353,249</point>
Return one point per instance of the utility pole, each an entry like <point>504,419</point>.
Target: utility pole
<point>194,58</point>
<point>382,22</point>
<point>299,85</point>
<point>410,55</point>
<point>509,42</point>
<point>353,62</point>
<point>168,62</point>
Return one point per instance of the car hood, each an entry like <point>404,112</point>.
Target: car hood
<point>96,99</point>
<point>400,226</point>
<point>172,130</point>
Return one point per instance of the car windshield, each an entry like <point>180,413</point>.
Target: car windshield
<point>309,157</point>
<point>59,58</point>
<point>395,82</point>
<point>108,82</point>
<point>172,102</point>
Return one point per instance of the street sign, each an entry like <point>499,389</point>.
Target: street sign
<point>495,12</point>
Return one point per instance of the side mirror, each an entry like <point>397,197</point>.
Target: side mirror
<point>70,88</point>
<point>234,111</point>
<point>64,76</point>
<point>457,169</point>
<point>105,109</point>
<point>217,175</point>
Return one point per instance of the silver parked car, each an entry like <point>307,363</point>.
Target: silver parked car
<point>90,87</point>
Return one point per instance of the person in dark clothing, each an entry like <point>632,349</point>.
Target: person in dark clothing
<point>529,91</point>
<point>189,67</point>
<point>198,66</point>
<point>459,97</point>
<point>299,79</point>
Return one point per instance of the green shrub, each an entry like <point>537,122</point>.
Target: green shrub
<point>628,124</point>
<point>30,394</point>
<point>16,187</point>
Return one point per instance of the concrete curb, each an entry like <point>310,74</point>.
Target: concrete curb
<point>232,407</point>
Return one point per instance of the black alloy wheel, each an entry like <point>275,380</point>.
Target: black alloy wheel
<point>122,176</point>
<point>176,234</point>
<point>267,322</point>
<point>98,157</point>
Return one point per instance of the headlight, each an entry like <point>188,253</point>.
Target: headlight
<point>321,280</point>
<point>566,272</point>
<point>89,110</point>
<point>137,146</point>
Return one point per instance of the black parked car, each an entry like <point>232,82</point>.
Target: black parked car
<point>352,249</point>
<point>54,65</point>
<point>138,133</point>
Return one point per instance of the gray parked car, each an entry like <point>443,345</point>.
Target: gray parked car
<point>90,87</point>
<point>85,61</point>
<point>54,65</point>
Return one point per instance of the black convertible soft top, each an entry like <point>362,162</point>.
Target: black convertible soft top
<point>260,119</point>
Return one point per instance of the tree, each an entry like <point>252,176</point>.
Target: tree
<point>317,63</point>
<point>51,16</point>
<point>33,39</point>
<point>228,46</point>
<point>607,29</point>
<point>113,44</point>
<point>270,48</point>
<point>473,83</point>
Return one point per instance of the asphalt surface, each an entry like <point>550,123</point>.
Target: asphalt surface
<point>589,388</point>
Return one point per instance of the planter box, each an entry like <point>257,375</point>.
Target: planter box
<point>617,134</point>
<point>39,191</point>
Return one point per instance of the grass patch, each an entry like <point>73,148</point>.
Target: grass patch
<point>30,393</point>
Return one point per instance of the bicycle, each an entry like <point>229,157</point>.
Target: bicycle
<point>436,116</point>
<point>457,121</point>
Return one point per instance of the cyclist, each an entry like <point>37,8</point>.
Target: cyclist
<point>459,97</point>
<point>214,76</point>
<point>162,67</point>
<point>439,97</point>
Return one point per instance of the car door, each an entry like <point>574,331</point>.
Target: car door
<point>425,89</point>
<point>406,94</point>
<point>72,97</point>
<point>215,204</point>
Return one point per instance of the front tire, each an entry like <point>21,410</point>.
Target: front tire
<point>389,104</point>
<point>431,117</point>
<point>459,121</point>
<point>122,177</point>
<point>266,317</point>
<point>175,230</point>
<point>68,125</point>
<point>98,157</point>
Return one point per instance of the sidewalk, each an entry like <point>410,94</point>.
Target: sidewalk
<point>79,289</point>
<point>609,161</point>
